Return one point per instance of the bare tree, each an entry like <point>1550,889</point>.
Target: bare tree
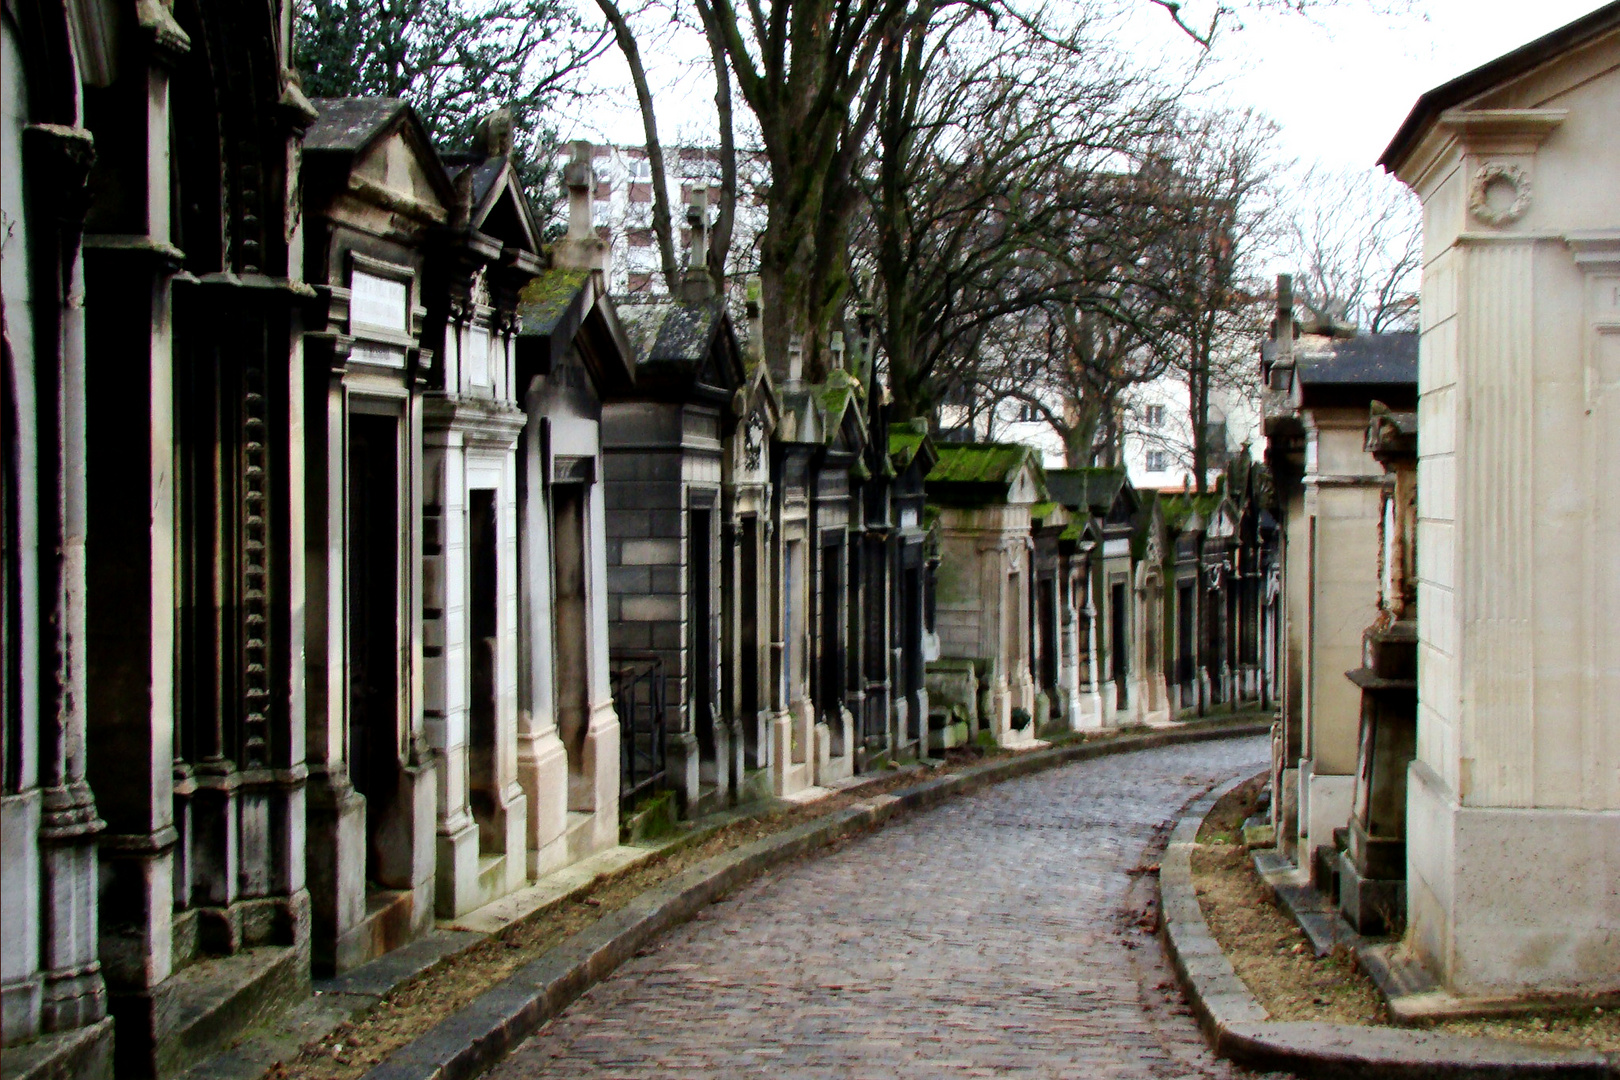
<point>995,191</point>
<point>1218,197</point>
<point>1203,20</point>
<point>1355,242</point>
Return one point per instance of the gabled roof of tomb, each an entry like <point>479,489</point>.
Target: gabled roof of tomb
<point>1094,488</point>
<point>909,442</point>
<point>982,473</point>
<point>349,130</point>
<point>564,309</point>
<point>499,207</point>
<point>1486,77</point>
<point>680,343</point>
<point>352,124</point>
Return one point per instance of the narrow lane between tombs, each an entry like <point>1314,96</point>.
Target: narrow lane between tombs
<point>1006,933</point>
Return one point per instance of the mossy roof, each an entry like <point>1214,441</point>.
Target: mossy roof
<point>907,439</point>
<point>978,463</point>
<point>547,297</point>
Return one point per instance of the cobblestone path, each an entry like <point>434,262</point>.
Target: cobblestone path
<point>1001,934</point>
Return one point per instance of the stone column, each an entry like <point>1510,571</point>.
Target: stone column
<point>50,978</point>
<point>542,760</point>
<point>130,589</point>
<point>600,765</point>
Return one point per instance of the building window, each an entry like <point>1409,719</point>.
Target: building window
<point>1153,417</point>
<point>1157,461</point>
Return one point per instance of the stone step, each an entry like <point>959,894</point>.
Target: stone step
<point>200,1009</point>
<point>385,926</point>
<point>491,876</point>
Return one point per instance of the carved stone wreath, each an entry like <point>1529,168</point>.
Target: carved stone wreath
<point>1479,193</point>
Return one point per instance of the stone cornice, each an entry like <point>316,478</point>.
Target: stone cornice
<point>1461,132</point>
<point>1501,131</point>
<point>1596,251</point>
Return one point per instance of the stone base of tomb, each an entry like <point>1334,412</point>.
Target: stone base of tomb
<point>1374,907</point>
<point>791,769</point>
<point>598,794</point>
<point>831,767</point>
<point>1326,802</point>
<point>84,1053</point>
<point>203,1007</point>
<point>1510,901</point>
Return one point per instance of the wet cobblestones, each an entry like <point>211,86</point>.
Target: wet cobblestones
<point>1002,934</point>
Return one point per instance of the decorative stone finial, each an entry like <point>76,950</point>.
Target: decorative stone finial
<point>796,358</point>
<point>494,134</point>
<point>581,248</point>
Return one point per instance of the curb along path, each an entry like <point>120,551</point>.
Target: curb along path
<point>1034,910</point>
<point>1241,1029</point>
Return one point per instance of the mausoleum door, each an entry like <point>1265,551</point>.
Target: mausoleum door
<point>571,688</point>
<point>748,682</point>
<point>483,600</point>
<point>372,556</point>
<point>1046,614</point>
<point>700,631</point>
<point>1117,644</point>
<point>830,698</point>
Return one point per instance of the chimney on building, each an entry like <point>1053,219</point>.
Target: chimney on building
<point>835,345</point>
<point>581,248</point>
<point>698,285</point>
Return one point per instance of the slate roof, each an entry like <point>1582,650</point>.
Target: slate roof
<point>485,174</point>
<point>1524,59</point>
<point>350,124</point>
<point>1092,488</point>
<point>666,330</point>
<point>1364,360</point>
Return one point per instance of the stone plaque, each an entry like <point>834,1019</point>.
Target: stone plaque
<point>378,301</point>
<point>567,469</point>
<point>475,362</point>
<point>370,352</point>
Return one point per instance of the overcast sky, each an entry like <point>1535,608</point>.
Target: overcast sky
<point>1339,83</point>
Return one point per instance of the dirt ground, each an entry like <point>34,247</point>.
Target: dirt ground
<point>1269,952</point>
<point>1274,958</point>
<point>354,1047</point>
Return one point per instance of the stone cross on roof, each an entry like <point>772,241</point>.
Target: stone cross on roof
<point>698,283</point>
<point>581,248</point>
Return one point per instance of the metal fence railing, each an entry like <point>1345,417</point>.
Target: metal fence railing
<point>638,698</point>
